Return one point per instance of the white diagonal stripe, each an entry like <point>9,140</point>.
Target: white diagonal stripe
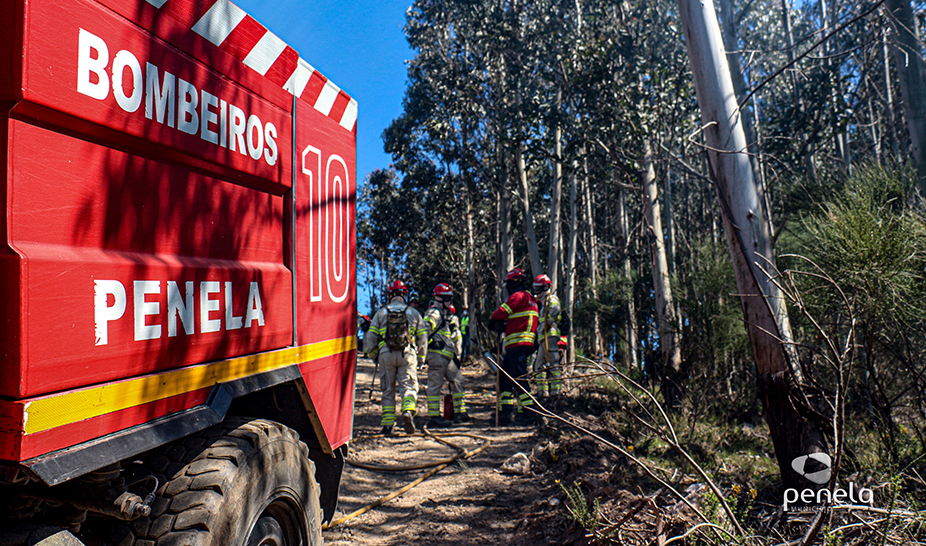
<point>300,78</point>
<point>327,97</point>
<point>265,53</point>
<point>157,3</point>
<point>350,115</point>
<point>219,21</point>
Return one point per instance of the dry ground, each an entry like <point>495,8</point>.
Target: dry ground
<point>470,502</point>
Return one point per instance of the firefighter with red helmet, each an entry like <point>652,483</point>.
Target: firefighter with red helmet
<point>398,339</point>
<point>517,318</point>
<point>552,327</point>
<point>445,344</point>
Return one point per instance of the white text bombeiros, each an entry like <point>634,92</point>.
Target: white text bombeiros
<point>171,100</point>
<point>110,302</point>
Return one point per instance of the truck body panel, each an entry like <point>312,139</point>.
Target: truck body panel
<point>164,234</point>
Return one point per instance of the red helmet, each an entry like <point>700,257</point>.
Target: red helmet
<point>541,283</point>
<point>397,286</point>
<point>516,275</point>
<point>443,289</point>
<point>453,310</point>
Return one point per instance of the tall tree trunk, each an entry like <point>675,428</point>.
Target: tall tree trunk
<point>912,79</point>
<point>807,153</point>
<point>840,136</point>
<point>670,225</point>
<point>630,356</point>
<point>470,288</point>
<point>793,434</point>
<point>592,255</point>
<point>529,233</point>
<point>889,100</point>
<point>505,259</point>
<point>555,209</point>
<point>570,295</point>
<point>665,305</point>
<point>731,43</point>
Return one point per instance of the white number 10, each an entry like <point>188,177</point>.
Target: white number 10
<point>329,217</point>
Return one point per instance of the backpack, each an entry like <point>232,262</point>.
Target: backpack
<point>398,331</point>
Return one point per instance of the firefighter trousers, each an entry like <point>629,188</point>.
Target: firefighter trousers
<point>547,370</point>
<point>398,371</point>
<point>441,368</point>
<point>514,391</point>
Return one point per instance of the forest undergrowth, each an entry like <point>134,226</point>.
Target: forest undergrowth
<point>632,473</point>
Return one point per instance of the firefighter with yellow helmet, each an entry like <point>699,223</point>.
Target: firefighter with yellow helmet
<point>398,339</point>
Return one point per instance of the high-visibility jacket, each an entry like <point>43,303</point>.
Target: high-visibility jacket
<point>521,316</point>
<point>375,340</point>
<point>551,315</point>
<point>464,324</point>
<point>443,330</point>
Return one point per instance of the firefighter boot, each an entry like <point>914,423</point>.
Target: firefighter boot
<point>506,417</point>
<point>438,422</point>
<point>408,422</point>
<point>528,417</point>
<point>460,418</point>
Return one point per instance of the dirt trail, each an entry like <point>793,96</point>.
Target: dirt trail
<point>470,502</point>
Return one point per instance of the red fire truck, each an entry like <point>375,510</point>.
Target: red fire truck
<point>178,335</point>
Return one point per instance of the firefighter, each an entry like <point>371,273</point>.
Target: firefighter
<point>460,414</point>
<point>445,344</point>
<point>517,318</point>
<point>553,325</point>
<point>398,339</point>
<point>464,327</point>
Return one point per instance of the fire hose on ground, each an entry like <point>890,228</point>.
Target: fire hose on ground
<point>437,467</point>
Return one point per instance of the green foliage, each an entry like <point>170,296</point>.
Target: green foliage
<point>715,345</point>
<point>585,514</point>
<point>873,246</point>
<point>871,242</point>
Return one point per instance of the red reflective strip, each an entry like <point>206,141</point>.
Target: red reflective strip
<point>340,104</point>
<point>243,39</point>
<point>188,12</point>
<point>281,70</point>
<point>314,88</point>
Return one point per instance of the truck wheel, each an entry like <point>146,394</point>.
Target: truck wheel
<point>245,482</point>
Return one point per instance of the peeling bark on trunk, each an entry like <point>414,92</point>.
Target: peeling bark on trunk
<point>792,432</point>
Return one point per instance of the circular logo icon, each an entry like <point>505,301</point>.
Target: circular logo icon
<point>819,476</point>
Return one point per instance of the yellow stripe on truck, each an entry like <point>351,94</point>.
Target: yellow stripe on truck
<point>73,406</point>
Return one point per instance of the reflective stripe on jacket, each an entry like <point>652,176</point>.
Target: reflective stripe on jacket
<point>375,339</point>
<point>551,313</point>
<point>521,316</point>
<point>439,328</point>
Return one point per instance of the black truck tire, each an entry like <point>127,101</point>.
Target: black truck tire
<point>244,482</point>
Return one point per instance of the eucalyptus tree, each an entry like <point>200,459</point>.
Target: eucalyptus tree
<point>908,56</point>
<point>793,432</point>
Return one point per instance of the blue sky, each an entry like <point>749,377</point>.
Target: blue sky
<point>360,46</point>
